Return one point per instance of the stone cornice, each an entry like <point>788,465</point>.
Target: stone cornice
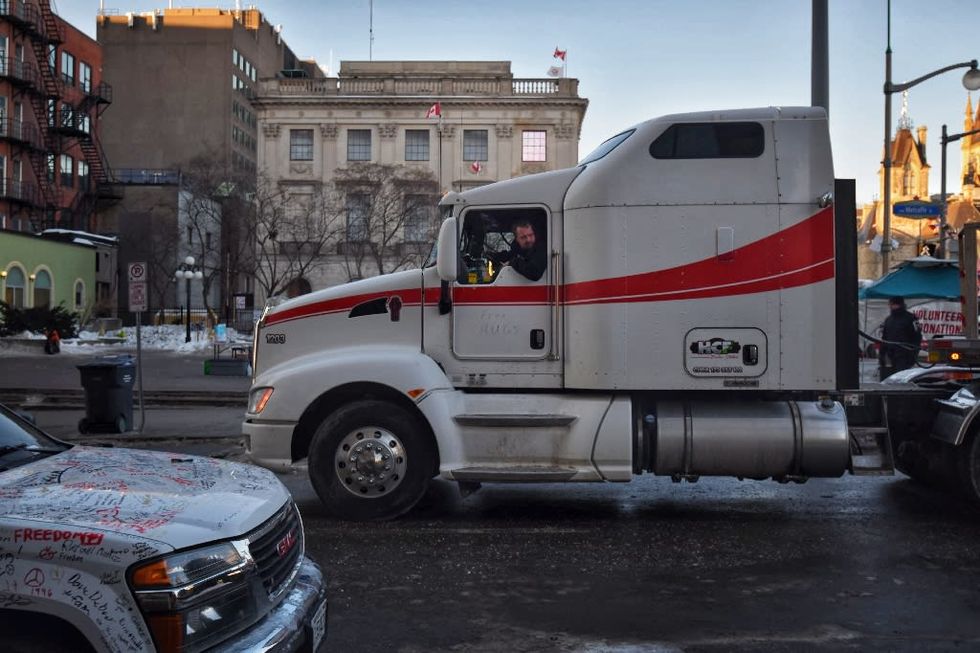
<point>449,104</point>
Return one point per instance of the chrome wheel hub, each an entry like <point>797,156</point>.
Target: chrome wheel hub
<point>370,462</point>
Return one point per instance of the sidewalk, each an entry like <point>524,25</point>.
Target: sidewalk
<point>162,371</point>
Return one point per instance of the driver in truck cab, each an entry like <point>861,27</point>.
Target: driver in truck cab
<point>526,255</point>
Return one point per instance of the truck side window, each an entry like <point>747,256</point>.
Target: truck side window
<point>710,140</point>
<point>495,238</point>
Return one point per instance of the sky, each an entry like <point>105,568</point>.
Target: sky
<point>638,59</point>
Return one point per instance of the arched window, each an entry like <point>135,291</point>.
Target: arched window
<point>908,181</point>
<point>79,295</point>
<point>13,292</point>
<point>42,289</point>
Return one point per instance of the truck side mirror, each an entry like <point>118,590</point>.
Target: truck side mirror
<point>446,252</point>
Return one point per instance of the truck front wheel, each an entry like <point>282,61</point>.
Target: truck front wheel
<point>370,460</point>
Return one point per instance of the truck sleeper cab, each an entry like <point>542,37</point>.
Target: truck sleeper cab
<point>684,325</point>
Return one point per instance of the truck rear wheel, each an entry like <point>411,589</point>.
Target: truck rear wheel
<point>969,467</point>
<point>370,460</point>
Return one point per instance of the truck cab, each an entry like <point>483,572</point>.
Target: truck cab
<point>683,324</point>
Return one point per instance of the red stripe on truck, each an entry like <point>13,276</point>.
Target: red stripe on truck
<point>797,256</point>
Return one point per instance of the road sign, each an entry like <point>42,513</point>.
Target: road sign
<point>137,296</point>
<point>137,271</point>
<point>917,209</point>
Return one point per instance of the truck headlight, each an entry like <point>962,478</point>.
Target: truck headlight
<point>193,599</point>
<point>258,398</point>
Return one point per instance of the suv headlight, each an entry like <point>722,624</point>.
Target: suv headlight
<point>193,599</point>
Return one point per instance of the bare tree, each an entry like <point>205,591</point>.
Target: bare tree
<point>217,216</point>
<point>390,216</point>
<point>294,228</point>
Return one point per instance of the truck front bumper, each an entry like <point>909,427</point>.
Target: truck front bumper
<point>269,443</point>
<point>294,624</point>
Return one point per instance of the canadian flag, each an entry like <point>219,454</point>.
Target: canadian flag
<point>560,54</point>
<point>476,167</point>
<point>435,111</point>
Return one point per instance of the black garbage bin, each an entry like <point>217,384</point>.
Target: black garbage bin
<point>108,382</point>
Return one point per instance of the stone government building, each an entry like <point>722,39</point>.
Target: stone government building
<point>492,127</point>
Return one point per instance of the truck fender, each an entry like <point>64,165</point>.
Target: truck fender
<point>309,389</point>
<point>956,417</point>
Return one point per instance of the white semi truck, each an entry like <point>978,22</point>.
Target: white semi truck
<point>696,317</point>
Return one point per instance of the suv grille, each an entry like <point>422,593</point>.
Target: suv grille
<point>277,546</point>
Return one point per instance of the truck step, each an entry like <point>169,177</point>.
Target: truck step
<point>871,451</point>
<point>531,420</point>
<point>524,474</point>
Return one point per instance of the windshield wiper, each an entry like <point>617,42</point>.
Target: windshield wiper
<point>33,448</point>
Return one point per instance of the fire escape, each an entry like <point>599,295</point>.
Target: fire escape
<point>59,119</point>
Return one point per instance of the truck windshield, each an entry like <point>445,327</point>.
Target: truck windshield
<point>447,212</point>
<point>607,146</point>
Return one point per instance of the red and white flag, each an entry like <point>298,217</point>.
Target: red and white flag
<point>435,111</point>
<point>476,167</point>
<point>560,54</point>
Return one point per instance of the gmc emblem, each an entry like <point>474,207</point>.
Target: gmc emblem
<point>286,543</point>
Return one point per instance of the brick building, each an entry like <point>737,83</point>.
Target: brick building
<point>51,98</point>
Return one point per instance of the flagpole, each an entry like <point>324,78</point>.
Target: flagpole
<point>439,131</point>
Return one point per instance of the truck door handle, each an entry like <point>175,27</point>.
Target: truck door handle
<point>725,241</point>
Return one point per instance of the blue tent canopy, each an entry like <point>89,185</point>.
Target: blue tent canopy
<point>923,277</point>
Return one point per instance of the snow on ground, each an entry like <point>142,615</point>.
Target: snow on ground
<point>168,337</point>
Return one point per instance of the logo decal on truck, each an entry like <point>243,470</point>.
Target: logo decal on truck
<point>715,347</point>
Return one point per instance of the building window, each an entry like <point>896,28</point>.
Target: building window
<point>67,171</point>
<point>358,209</point>
<point>358,144</point>
<point>52,113</point>
<point>68,68</point>
<point>84,123</point>
<point>51,166</point>
<point>85,76</point>
<point>234,57</point>
<point>53,58</point>
<point>83,176</point>
<point>417,145</point>
<point>418,219</point>
<point>474,145</point>
<point>908,180</point>
<point>300,144</point>
<point>79,295</point>
<point>42,289</point>
<point>13,291</point>
<point>723,140</point>
<point>67,116</point>
<point>534,146</point>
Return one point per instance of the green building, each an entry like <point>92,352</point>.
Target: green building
<point>56,267</point>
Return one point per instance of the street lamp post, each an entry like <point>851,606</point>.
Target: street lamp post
<point>971,81</point>
<point>188,271</point>
<point>943,226</point>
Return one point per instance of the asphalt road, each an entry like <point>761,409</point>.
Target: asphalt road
<point>721,565</point>
<point>855,563</point>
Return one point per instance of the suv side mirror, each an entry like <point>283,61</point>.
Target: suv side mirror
<point>446,252</point>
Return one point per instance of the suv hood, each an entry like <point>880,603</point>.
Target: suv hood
<point>173,499</point>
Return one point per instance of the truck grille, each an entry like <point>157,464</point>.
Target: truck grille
<point>277,546</point>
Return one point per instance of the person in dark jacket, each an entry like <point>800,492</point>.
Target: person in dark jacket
<point>527,254</point>
<point>902,339</point>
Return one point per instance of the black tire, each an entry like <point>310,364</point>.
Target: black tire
<point>379,435</point>
<point>969,467</point>
<point>121,426</point>
<point>83,425</point>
